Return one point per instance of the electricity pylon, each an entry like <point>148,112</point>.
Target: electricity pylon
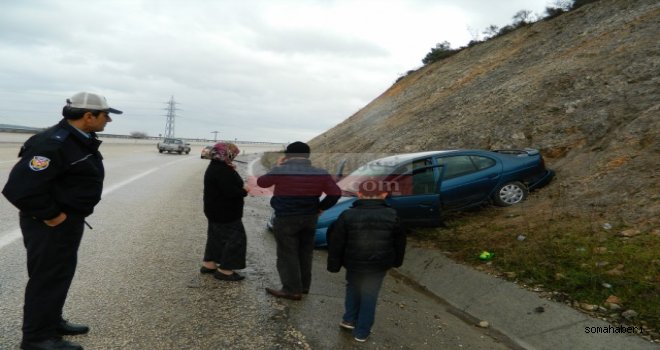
<point>171,114</point>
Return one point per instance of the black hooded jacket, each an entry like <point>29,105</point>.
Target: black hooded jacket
<point>60,170</point>
<point>367,237</point>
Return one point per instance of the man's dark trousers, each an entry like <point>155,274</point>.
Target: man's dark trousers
<point>295,248</point>
<point>52,255</point>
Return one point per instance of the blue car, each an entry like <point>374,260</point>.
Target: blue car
<point>424,185</point>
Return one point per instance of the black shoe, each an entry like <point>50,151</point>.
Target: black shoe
<point>233,277</point>
<point>282,294</point>
<point>205,269</point>
<point>51,344</point>
<point>68,328</point>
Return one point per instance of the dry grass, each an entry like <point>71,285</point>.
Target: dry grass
<point>573,252</point>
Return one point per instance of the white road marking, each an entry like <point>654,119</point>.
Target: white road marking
<point>250,172</point>
<point>8,238</point>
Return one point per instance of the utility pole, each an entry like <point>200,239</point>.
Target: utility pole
<point>171,114</point>
<point>215,135</point>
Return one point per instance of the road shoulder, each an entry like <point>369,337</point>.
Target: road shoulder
<point>510,309</point>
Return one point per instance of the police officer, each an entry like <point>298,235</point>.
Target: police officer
<point>55,185</point>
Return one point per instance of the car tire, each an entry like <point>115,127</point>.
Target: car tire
<point>510,193</point>
<point>160,151</point>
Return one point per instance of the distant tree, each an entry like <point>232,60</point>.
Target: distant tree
<point>440,51</point>
<point>522,18</point>
<point>580,3</point>
<point>506,29</point>
<point>491,31</point>
<point>474,33</point>
<point>552,12</point>
<point>138,135</point>
<point>473,42</point>
<point>557,8</point>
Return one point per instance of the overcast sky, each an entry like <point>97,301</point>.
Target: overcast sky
<point>272,70</point>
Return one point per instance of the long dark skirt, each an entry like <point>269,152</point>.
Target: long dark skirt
<point>226,244</point>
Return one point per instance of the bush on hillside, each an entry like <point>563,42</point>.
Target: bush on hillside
<point>491,31</point>
<point>552,12</point>
<point>523,17</point>
<point>580,3</point>
<point>440,51</point>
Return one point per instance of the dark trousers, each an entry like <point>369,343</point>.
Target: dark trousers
<point>226,244</point>
<point>362,290</point>
<point>294,236</point>
<point>52,255</point>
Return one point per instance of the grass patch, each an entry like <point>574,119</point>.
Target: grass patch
<point>580,257</point>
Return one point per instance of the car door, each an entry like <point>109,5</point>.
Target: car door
<point>414,193</point>
<point>467,179</point>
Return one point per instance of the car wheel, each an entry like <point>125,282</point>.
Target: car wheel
<point>510,193</point>
<point>160,151</point>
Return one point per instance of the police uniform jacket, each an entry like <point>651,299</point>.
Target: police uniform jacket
<point>60,170</point>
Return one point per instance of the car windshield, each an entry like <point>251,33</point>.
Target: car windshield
<point>348,184</point>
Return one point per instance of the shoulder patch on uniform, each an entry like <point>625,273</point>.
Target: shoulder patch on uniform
<point>39,163</point>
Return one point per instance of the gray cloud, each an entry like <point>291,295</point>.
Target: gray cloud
<point>254,70</point>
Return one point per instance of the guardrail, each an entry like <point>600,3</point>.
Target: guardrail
<point>28,130</point>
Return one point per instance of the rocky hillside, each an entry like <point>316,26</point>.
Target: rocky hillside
<point>581,87</point>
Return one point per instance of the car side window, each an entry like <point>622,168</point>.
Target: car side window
<point>482,162</point>
<point>456,166</point>
<point>421,180</point>
<point>424,181</point>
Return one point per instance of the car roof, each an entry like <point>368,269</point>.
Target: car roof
<point>404,157</point>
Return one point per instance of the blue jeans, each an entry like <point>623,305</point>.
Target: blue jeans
<point>361,296</point>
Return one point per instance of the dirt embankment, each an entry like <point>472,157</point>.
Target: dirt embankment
<point>582,88</point>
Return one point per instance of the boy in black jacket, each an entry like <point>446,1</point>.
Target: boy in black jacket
<point>367,240</point>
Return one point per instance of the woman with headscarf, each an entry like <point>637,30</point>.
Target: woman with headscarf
<point>224,194</point>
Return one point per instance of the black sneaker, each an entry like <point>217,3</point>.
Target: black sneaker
<point>49,344</point>
<point>361,339</point>
<point>233,277</point>
<point>347,325</point>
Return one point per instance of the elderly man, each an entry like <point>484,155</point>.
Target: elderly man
<point>298,187</point>
<point>55,185</point>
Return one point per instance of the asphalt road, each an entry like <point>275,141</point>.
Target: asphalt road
<point>138,285</point>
